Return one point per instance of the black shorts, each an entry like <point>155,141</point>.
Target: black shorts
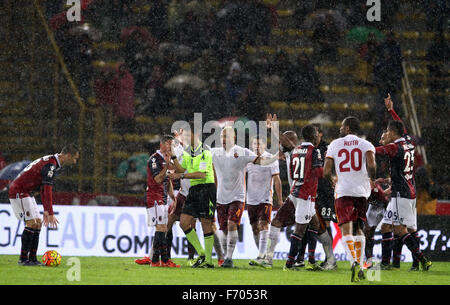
<point>325,208</point>
<point>201,201</point>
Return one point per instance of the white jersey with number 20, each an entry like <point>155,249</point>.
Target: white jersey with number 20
<point>349,155</point>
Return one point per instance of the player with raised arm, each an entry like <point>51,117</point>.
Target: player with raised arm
<point>354,161</point>
<point>285,215</point>
<point>401,211</point>
<point>261,181</point>
<point>38,174</point>
<point>307,169</point>
<point>230,162</point>
<point>158,187</point>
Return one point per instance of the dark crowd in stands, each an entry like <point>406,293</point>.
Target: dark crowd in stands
<point>212,37</point>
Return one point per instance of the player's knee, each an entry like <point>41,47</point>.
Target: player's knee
<point>161,228</point>
<point>185,225</point>
<point>400,230</point>
<point>232,226</point>
<point>276,223</point>
<point>255,228</point>
<point>263,226</point>
<point>35,224</point>
<point>386,228</point>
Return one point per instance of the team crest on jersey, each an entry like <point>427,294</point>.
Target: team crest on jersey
<point>153,163</point>
<point>236,155</point>
<point>50,172</point>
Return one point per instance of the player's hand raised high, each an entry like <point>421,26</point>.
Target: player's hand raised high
<point>388,102</point>
<point>270,119</point>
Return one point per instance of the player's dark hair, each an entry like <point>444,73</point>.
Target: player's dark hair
<point>318,127</point>
<point>308,132</point>
<point>353,124</point>
<point>70,149</point>
<point>165,138</point>
<point>397,127</point>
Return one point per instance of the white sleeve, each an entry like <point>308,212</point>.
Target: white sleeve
<point>178,150</point>
<point>249,156</point>
<point>214,153</point>
<point>369,146</point>
<point>275,168</point>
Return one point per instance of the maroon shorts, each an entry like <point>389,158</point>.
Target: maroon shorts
<point>262,211</point>
<point>350,209</point>
<point>180,202</point>
<point>232,211</point>
<point>286,214</point>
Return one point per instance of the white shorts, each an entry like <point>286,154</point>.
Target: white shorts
<point>401,211</point>
<point>25,208</point>
<point>374,215</point>
<point>157,215</point>
<point>304,210</point>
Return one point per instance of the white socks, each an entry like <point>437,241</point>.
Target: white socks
<point>327,244</point>
<point>256,238</point>
<point>349,245</point>
<point>218,245</point>
<point>360,245</point>
<point>263,235</point>
<point>223,242</point>
<point>232,238</point>
<point>274,237</point>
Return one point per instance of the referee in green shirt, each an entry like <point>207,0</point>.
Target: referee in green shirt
<point>201,200</point>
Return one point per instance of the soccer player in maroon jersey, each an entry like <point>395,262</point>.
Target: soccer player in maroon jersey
<point>38,174</point>
<point>307,169</point>
<point>285,215</point>
<point>401,210</point>
<point>158,187</point>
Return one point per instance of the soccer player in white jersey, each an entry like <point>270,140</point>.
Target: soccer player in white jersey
<point>354,161</point>
<point>261,181</point>
<point>230,162</point>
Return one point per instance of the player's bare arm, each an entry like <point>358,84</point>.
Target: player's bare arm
<point>371,165</point>
<point>328,168</point>
<point>195,175</point>
<point>388,103</point>
<point>267,161</point>
<point>162,174</point>
<point>278,189</point>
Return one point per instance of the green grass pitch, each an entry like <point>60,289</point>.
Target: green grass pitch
<point>124,271</point>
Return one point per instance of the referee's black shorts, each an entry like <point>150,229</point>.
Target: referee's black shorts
<point>201,201</point>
